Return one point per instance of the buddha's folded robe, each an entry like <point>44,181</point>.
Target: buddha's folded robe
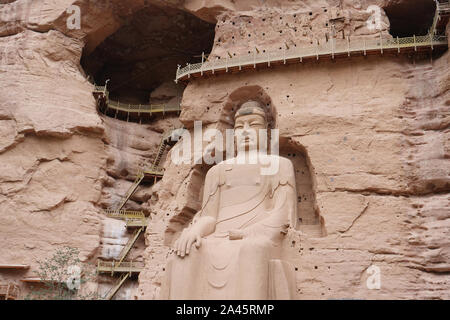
<point>256,206</point>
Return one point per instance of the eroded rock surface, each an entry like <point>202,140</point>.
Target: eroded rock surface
<point>373,133</point>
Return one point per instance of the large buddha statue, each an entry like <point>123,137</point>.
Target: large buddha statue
<point>232,248</point>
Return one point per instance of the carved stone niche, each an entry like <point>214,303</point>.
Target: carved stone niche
<point>310,222</point>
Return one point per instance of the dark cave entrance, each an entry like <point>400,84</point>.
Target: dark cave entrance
<point>141,58</point>
<point>411,17</point>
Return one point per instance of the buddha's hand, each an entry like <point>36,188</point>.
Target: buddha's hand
<point>187,238</point>
<point>236,234</point>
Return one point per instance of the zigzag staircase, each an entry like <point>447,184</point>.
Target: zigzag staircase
<point>135,220</point>
<point>161,149</point>
<point>154,172</point>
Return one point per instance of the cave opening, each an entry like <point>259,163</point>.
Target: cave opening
<point>141,58</point>
<point>410,17</point>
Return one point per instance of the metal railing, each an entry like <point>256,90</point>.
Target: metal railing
<point>125,214</point>
<point>173,134</point>
<point>154,171</point>
<point>143,108</point>
<point>99,88</point>
<point>332,48</point>
<point>114,266</point>
<point>136,108</point>
<point>9,291</point>
<point>443,6</point>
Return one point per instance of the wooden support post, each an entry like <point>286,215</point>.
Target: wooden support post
<point>317,50</point>
<point>203,59</point>
<point>189,70</point>
<point>178,73</point>
<point>268,58</point>
<point>254,59</point>
<point>332,48</point>
<point>112,268</point>
<point>284,56</point>
<point>348,46</point>
<point>239,63</point>
<point>398,45</point>
<point>431,38</point>
<point>128,115</point>
<point>415,44</point>
<point>381,43</point>
<point>139,112</point>
<point>214,65</point>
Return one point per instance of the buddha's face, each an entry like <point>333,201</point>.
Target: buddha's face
<point>246,131</point>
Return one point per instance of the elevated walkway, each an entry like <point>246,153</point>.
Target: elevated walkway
<point>130,112</point>
<point>134,219</point>
<point>115,267</point>
<point>330,50</point>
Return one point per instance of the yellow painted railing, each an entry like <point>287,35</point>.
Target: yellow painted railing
<point>154,171</point>
<point>114,266</point>
<point>135,108</point>
<point>125,214</point>
<point>143,108</point>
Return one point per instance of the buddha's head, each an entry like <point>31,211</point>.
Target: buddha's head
<point>249,119</point>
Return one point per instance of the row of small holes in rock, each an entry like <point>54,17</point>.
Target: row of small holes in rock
<point>264,19</point>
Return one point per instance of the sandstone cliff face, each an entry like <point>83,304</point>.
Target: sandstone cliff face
<point>372,135</point>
